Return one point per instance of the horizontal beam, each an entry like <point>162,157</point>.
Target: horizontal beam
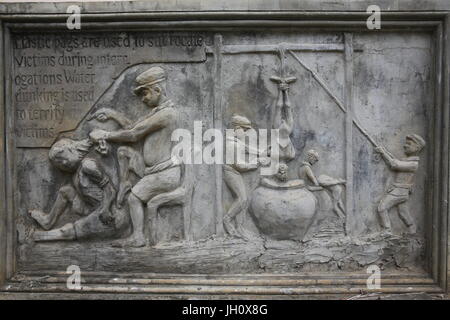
<point>170,6</point>
<point>217,289</point>
<point>213,25</point>
<point>225,281</point>
<point>237,49</point>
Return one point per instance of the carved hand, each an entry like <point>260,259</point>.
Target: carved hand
<point>264,161</point>
<point>283,86</point>
<point>381,150</point>
<point>97,135</point>
<point>102,115</point>
<point>106,218</point>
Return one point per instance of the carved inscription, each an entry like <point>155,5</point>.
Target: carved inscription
<point>57,78</point>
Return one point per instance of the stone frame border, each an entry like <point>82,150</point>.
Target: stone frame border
<point>438,23</point>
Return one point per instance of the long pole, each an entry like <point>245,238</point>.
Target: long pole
<point>335,99</point>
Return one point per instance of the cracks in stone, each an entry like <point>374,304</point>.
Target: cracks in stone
<point>258,258</point>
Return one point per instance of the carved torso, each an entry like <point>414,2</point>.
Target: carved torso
<point>89,181</point>
<point>287,150</point>
<point>406,177</point>
<point>157,145</point>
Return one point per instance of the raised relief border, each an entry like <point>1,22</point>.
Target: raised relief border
<point>117,201</point>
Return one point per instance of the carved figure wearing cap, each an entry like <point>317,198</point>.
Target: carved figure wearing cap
<point>397,194</point>
<point>232,175</point>
<point>157,172</point>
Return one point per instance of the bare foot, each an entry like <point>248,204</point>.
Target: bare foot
<point>123,190</point>
<point>338,212</point>
<point>230,229</point>
<point>412,229</point>
<point>386,233</point>
<point>244,234</point>
<point>41,218</point>
<point>134,242</point>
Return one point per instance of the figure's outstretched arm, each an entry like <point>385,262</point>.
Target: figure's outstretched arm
<point>311,176</point>
<point>123,121</point>
<point>404,166</point>
<point>396,164</point>
<point>105,114</point>
<point>140,129</point>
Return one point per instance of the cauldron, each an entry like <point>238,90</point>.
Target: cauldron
<point>283,212</point>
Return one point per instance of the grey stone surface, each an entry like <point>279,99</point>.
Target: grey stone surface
<point>391,102</point>
<point>207,5</point>
<point>96,183</point>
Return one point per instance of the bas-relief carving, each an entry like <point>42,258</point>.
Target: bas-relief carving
<point>299,209</point>
<point>91,196</point>
<point>399,191</point>
<point>158,175</point>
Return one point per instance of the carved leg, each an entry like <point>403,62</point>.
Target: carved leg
<point>338,207</point>
<point>341,207</point>
<point>385,221</point>
<point>65,196</point>
<point>67,232</point>
<point>229,227</point>
<point>386,203</point>
<point>403,212</point>
<point>137,239</point>
<point>146,189</point>
<point>242,232</point>
<point>237,187</point>
<point>124,188</point>
<point>174,197</point>
<point>129,160</point>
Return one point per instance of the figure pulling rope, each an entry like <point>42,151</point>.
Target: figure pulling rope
<point>397,194</point>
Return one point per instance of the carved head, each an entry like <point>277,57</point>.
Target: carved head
<point>66,154</point>
<point>102,147</point>
<point>413,144</point>
<point>151,86</point>
<point>240,125</point>
<point>282,172</point>
<point>312,156</point>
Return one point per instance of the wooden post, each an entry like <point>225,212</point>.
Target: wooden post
<point>3,211</point>
<point>348,102</point>
<point>218,124</point>
<point>445,176</point>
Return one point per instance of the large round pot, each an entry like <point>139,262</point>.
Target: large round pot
<point>283,214</point>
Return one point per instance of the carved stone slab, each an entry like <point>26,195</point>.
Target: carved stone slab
<point>110,135</point>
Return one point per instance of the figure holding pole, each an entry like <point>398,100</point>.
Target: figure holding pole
<point>397,194</point>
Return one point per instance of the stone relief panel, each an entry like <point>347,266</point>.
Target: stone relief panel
<point>107,191</point>
<point>404,82</point>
